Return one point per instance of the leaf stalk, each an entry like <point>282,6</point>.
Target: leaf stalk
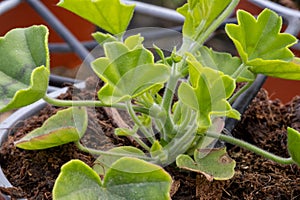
<point>251,147</point>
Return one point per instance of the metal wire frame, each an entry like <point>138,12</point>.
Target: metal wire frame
<point>147,9</point>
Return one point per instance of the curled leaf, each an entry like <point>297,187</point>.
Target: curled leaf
<point>65,126</point>
<point>24,67</point>
<point>213,163</point>
<point>102,38</point>
<point>294,144</point>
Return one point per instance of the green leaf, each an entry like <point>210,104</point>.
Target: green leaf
<point>113,16</point>
<point>261,38</point>
<point>207,93</point>
<point>127,73</point>
<point>213,163</point>
<point>160,53</point>
<point>156,149</point>
<point>128,179</point>
<point>199,15</point>
<point>150,98</point>
<point>24,67</point>
<point>134,42</point>
<point>223,62</point>
<point>277,68</point>
<point>293,144</point>
<point>102,38</point>
<point>136,179</point>
<point>78,181</point>
<point>145,120</point>
<point>104,162</point>
<point>65,126</point>
<point>125,131</point>
<point>262,47</point>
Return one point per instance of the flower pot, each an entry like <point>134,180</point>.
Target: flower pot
<point>23,16</point>
<point>193,180</point>
<point>248,6</point>
<point>12,120</point>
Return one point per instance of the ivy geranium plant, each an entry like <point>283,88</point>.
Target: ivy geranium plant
<point>168,130</point>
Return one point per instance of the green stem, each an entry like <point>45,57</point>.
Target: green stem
<point>239,71</point>
<point>202,37</point>
<point>108,153</point>
<point>170,90</point>
<point>239,92</point>
<point>181,142</point>
<point>251,147</point>
<point>90,103</point>
<point>187,118</point>
<point>137,121</point>
<point>141,143</point>
<point>167,100</point>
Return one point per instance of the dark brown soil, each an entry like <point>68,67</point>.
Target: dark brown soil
<point>33,173</point>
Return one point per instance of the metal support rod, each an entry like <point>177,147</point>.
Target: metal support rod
<point>282,10</point>
<point>60,81</point>
<point>51,19</point>
<point>156,11</point>
<point>8,4</point>
<point>244,100</point>
<point>64,48</point>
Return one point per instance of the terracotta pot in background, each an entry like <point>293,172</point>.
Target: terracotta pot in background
<point>249,7</point>
<point>23,16</point>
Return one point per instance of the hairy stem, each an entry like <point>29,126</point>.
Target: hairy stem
<point>251,147</point>
<point>239,71</point>
<point>141,143</point>
<point>202,37</point>
<point>91,103</point>
<point>137,121</point>
<point>167,100</point>
<point>100,152</point>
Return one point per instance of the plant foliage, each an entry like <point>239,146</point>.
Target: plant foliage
<point>24,67</point>
<point>178,104</point>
